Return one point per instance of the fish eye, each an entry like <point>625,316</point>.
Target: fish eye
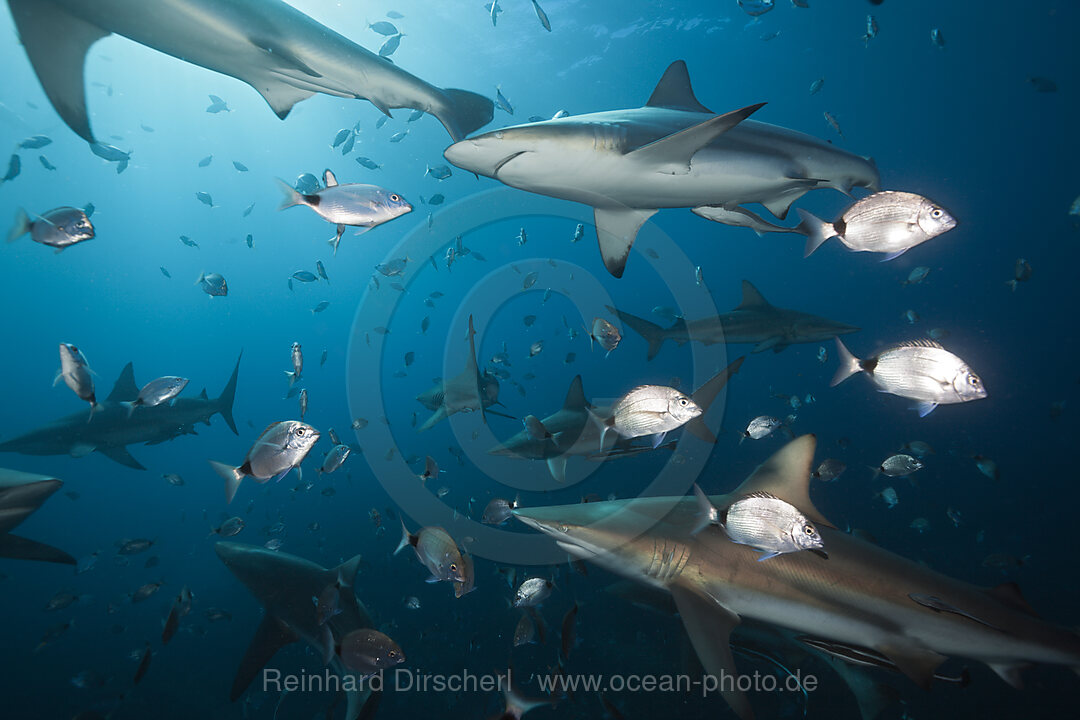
<point>300,432</point>
<point>453,566</point>
<point>395,197</point>
<point>936,213</point>
<point>683,401</point>
<point>809,529</point>
<point>392,653</point>
<point>973,380</point>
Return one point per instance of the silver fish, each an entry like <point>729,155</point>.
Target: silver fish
<point>213,284</point>
<point>502,102</point>
<point>1021,273</point>
<point>436,551</point>
<point>937,38</point>
<point>919,370</point>
<point>297,364</point>
<point>390,45</point>
<point>59,228</point>
<point>335,459</point>
<point>649,410</point>
<point>157,392</point>
<point>886,222</point>
<point>532,592</point>
<point>899,465</point>
<point>829,470</point>
<point>303,403</point>
<point>760,427</point>
<point>279,449</point>
<point>498,511</point>
<point>605,334</point>
<point>764,522</point>
<point>917,275</point>
<point>367,651</point>
<point>541,16</point>
<point>871,30</point>
<point>75,372</point>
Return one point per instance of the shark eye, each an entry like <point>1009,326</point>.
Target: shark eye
<point>564,528</point>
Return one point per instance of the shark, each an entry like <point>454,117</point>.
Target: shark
<point>112,429</point>
<point>754,321</point>
<point>573,433</point>
<point>468,391</point>
<point>860,597</point>
<point>672,153</point>
<point>285,586</point>
<point>21,495</point>
<point>276,49</point>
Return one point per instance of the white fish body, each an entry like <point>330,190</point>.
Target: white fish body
<point>281,447</point>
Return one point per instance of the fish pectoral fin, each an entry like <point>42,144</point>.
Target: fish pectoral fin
<point>271,635</point>
<point>59,65</point>
<point>709,625</point>
<point>671,154</point>
<point>120,454</point>
<point>917,663</point>
<point>925,408</point>
<point>616,230</point>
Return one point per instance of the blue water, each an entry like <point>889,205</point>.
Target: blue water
<point>960,124</point>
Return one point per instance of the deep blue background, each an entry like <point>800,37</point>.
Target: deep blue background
<point>961,125</point>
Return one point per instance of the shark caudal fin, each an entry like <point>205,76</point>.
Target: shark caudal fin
<point>652,333</point>
<point>228,395</point>
<point>816,230</point>
<point>231,475</point>
<point>849,364</point>
<point>465,112</point>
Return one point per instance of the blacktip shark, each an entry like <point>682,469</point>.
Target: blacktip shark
<point>112,429</point>
<point>672,153</point>
<point>21,495</point>
<point>278,50</point>
<point>468,391</point>
<point>860,597</point>
<point>755,321</point>
<point>573,434</point>
<point>285,585</point>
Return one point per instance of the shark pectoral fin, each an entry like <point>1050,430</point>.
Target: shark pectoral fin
<point>20,548</point>
<point>1010,673</point>
<point>671,154</point>
<point>120,454</point>
<point>616,230</point>
<point>917,663</point>
<point>767,343</point>
<point>557,468</point>
<point>271,636</point>
<point>280,95</point>
<point>79,450</point>
<point>58,64</point>
<point>709,625</point>
<point>871,696</point>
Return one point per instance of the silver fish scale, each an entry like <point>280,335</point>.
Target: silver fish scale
<point>354,205</point>
<point>641,414</point>
<point>668,559</point>
<point>922,371</point>
<point>762,522</point>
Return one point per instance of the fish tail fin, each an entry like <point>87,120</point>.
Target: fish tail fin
<point>849,364</point>
<point>876,472</point>
<point>652,333</point>
<point>464,112</point>
<point>816,230</point>
<point>293,377</point>
<point>228,395</point>
<point>232,476</point>
<point>1011,283</point>
<point>21,226</point>
<point>292,197</point>
<point>706,515</point>
<point>406,538</point>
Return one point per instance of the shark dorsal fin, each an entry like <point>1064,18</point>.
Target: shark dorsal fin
<point>203,395</point>
<point>674,91</point>
<point>575,396</point>
<point>59,65</point>
<point>125,388</point>
<point>1009,594</point>
<point>786,475</point>
<point>345,573</point>
<point>328,178</point>
<point>752,298</point>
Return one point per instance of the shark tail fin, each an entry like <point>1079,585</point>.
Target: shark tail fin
<point>849,364</point>
<point>232,476</point>
<point>292,197</point>
<point>816,230</point>
<point>652,333</point>
<point>228,395</point>
<point>21,226</point>
<point>464,112</point>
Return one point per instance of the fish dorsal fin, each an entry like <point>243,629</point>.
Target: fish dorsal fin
<point>125,388</point>
<point>1009,594</point>
<point>922,342</point>
<point>575,396</point>
<point>674,90</point>
<point>786,475</point>
<point>271,635</point>
<point>752,299</point>
<point>56,43</point>
<point>328,178</point>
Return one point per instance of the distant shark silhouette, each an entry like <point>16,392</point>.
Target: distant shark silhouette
<point>278,50</point>
<point>111,430</point>
<point>21,494</point>
<point>285,585</point>
<point>755,321</point>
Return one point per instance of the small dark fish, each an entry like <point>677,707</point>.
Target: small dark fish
<point>409,357</point>
<point>391,45</point>
<point>144,665</point>
<point>14,167</point>
<point>567,635</point>
<point>172,623</point>
<point>213,284</point>
<point>188,241</point>
<point>320,307</point>
<point>250,240</point>
<point>321,269</point>
<point>502,102</point>
<point>341,136</point>
<point>541,16</point>
<point>368,162</point>
<point>439,172</point>
<point>206,161</point>
<point>109,152</point>
<point>1043,84</point>
<point>322,360</point>
<point>304,276</point>
<point>164,272</point>
<point>146,128</point>
<point>45,163</point>
<point>384,28</point>
<point>398,136</point>
<point>414,116</point>
<point>217,105</point>
<point>381,121</point>
<point>241,167</point>
<point>247,210</point>
<point>134,547</point>
<point>436,199</point>
<point>204,198</point>
<point>35,142</point>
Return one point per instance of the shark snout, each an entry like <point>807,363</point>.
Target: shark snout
<point>229,552</point>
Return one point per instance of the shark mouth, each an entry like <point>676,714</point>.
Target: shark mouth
<point>505,160</point>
